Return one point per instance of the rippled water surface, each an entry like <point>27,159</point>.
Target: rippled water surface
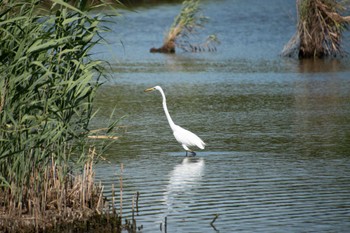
<point>277,129</point>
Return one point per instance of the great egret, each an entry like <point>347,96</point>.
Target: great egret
<point>183,136</point>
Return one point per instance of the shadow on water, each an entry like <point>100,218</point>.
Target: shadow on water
<point>322,65</point>
<point>132,4</point>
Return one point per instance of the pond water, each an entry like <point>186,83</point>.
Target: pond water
<point>277,129</point>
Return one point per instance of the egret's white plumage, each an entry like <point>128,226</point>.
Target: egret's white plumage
<point>183,136</point>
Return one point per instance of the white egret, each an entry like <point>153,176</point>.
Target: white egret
<point>184,137</point>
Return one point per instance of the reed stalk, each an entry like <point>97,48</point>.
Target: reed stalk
<point>121,190</point>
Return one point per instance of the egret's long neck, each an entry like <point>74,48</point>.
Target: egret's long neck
<point>171,122</point>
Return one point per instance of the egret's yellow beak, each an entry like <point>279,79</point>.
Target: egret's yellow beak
<point>149,89</point>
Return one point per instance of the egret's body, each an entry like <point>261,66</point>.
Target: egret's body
<point>184,137</point>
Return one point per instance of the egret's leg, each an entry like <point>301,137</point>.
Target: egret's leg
<point>187,149</point>
<point>191,151</point>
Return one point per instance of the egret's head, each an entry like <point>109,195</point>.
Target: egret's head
<point>152,89</point>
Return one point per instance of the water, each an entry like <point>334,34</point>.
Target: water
<point>278,130</point>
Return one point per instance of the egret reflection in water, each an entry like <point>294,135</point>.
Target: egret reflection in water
<point>183,182</point>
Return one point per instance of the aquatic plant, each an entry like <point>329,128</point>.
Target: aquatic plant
<point>48,81</point>
<point>319,29</point>
<point>187,24</point>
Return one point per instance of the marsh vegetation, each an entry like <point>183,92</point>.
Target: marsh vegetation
<point>320,29</point>
<point>47,87</point>
<point>185,27</point>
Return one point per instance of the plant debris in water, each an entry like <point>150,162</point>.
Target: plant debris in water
<point>319,29</point>
<point>185,27</point>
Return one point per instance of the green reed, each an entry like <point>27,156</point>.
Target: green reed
<point>48,82</point>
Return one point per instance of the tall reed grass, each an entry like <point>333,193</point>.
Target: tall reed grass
<point>48,82</point>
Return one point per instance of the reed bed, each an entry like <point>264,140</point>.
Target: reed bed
<point>73,204</point>
<point>51,201</point>
<point>48,81</point>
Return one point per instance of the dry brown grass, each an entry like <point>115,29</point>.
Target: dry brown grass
<point>53,200</point>
<point>186,25</point>
<point>319,29</point>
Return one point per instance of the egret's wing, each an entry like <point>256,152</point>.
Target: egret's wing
<point>188,138</point>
